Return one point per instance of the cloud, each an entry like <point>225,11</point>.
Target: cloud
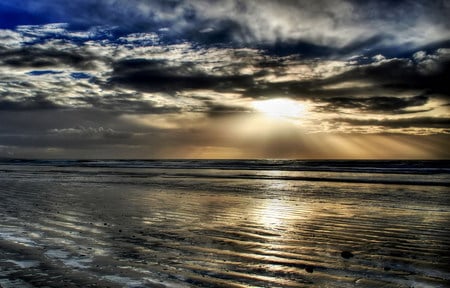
<point>127,102</point>
<point>190,85</point>
<point>221,110</point>
<point>90,132</point>
<point>43,31</point>
<point>38,101</point>
<point>400,74</point>
<point>138,74</point>
<point>354,84</point>
<point>380,104</point>
<point>113,74</point>
<point>161,76</point>
<point>422,122</point>
<point>304,26</point>
<point>12,39</point>
<point>37,57</point>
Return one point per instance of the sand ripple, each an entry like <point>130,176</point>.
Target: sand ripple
<point>112,230</point>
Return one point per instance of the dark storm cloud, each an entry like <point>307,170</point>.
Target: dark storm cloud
<point>380,104</point>
<point>413,122</point>
<point>400,74</point>
<point>225,32</point>
<point>25,96</point>
<point>311,28</point>
<point>161,76</point>
<point>37,102</point>
<point>35,57</point>
<point>132,103</point>
<point>221,110</point>
<point>312,50</point>
<point>120,103</point>
<point>406,10</point>
<point>426,76</point>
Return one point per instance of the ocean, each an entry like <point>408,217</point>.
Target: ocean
<point>224,223</point>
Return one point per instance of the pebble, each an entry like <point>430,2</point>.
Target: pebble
<point>346,254</point>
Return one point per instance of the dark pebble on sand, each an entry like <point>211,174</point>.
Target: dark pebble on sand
<point>105,224</point>
<point>387,268</point>
<point>309,269</point>
<point>120,230</point>
<point>346,254</point>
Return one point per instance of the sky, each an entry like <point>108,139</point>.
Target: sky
<point>323,79</point>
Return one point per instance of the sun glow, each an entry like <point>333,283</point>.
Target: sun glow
<point>280,108</point>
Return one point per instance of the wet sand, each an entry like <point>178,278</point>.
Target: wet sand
<point>98,227</point>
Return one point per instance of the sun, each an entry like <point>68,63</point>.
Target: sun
<point>280,108</point>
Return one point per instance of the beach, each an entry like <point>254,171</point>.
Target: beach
<point>224,224</point>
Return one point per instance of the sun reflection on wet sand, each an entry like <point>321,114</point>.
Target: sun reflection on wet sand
<point>180,230</point>
<point>280,214</point>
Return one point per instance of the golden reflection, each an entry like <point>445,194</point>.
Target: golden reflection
<point>274,213</point>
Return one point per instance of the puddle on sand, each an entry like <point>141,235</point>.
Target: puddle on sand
<point>67,259</point>
<point>8,236</point>
<point>24,264</point>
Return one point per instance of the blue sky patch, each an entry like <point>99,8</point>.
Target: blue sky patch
<point>43,72</point>
<point>80,75</point>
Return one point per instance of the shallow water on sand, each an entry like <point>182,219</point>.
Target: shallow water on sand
<point>152,227</point>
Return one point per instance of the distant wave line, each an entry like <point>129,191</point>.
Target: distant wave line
<point>422,167</point>
<point>311,179</point>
